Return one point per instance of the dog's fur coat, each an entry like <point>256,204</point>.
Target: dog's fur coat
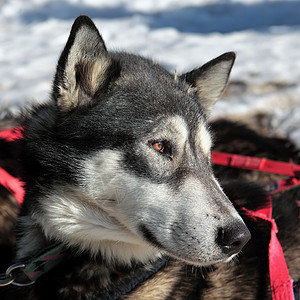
<point>117,168</point>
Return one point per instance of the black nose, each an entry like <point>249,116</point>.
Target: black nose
<point>233,237</point>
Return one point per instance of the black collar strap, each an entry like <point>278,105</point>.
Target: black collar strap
<point>133,279</point>
<point>19,273</point>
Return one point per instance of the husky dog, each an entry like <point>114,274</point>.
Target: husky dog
<point>118,171</point>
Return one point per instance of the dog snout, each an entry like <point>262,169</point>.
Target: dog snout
<point>233,237</point>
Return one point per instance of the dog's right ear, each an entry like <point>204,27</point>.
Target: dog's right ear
<point>83,67</point>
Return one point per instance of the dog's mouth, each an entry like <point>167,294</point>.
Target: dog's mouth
<point>150,237</point>
<point>192,259</point>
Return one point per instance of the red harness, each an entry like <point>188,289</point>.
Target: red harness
<point>281,284</point>
<point>255,163</point>
<point>12,184</point>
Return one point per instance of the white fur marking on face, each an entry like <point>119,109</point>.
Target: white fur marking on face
<point>203,137</point>
<point>70,216</point>
<point>173,126</point>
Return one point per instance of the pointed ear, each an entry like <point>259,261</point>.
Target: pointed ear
<point>83,67</point>
<point>210,80</point>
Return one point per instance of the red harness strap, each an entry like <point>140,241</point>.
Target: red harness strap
<point>282,185</point>
<point>281,283</point>
<point>11,134</point>
<point>254,163</point>
<point>12,184</point>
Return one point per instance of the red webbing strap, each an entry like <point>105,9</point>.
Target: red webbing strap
<point>254,163</point>
<point>281,283</point>
<point>12,184</point>
<point>11,134</point>
<point>282,185</point>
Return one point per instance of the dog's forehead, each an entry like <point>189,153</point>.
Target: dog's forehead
<point>148,88</point>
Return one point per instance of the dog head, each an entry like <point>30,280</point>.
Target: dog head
<point>119,163</point>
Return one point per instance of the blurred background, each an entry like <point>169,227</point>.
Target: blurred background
<point>181,35</point>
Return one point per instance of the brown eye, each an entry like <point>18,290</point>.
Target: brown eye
<point>158,146</point>
<point>163,147</point>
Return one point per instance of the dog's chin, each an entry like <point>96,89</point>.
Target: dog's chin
<point>200,262</point>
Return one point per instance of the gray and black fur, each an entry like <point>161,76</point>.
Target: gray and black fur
<point>92,149</point>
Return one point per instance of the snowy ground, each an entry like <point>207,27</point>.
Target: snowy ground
<point>180,34</point>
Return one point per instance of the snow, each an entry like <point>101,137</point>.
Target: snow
<point>181,35</point>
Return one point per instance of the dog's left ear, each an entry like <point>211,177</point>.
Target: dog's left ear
<point>210,80</point>
<point>84,69</point>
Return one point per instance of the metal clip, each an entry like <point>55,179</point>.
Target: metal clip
<point>5,280</point>
<point>8,277</point>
